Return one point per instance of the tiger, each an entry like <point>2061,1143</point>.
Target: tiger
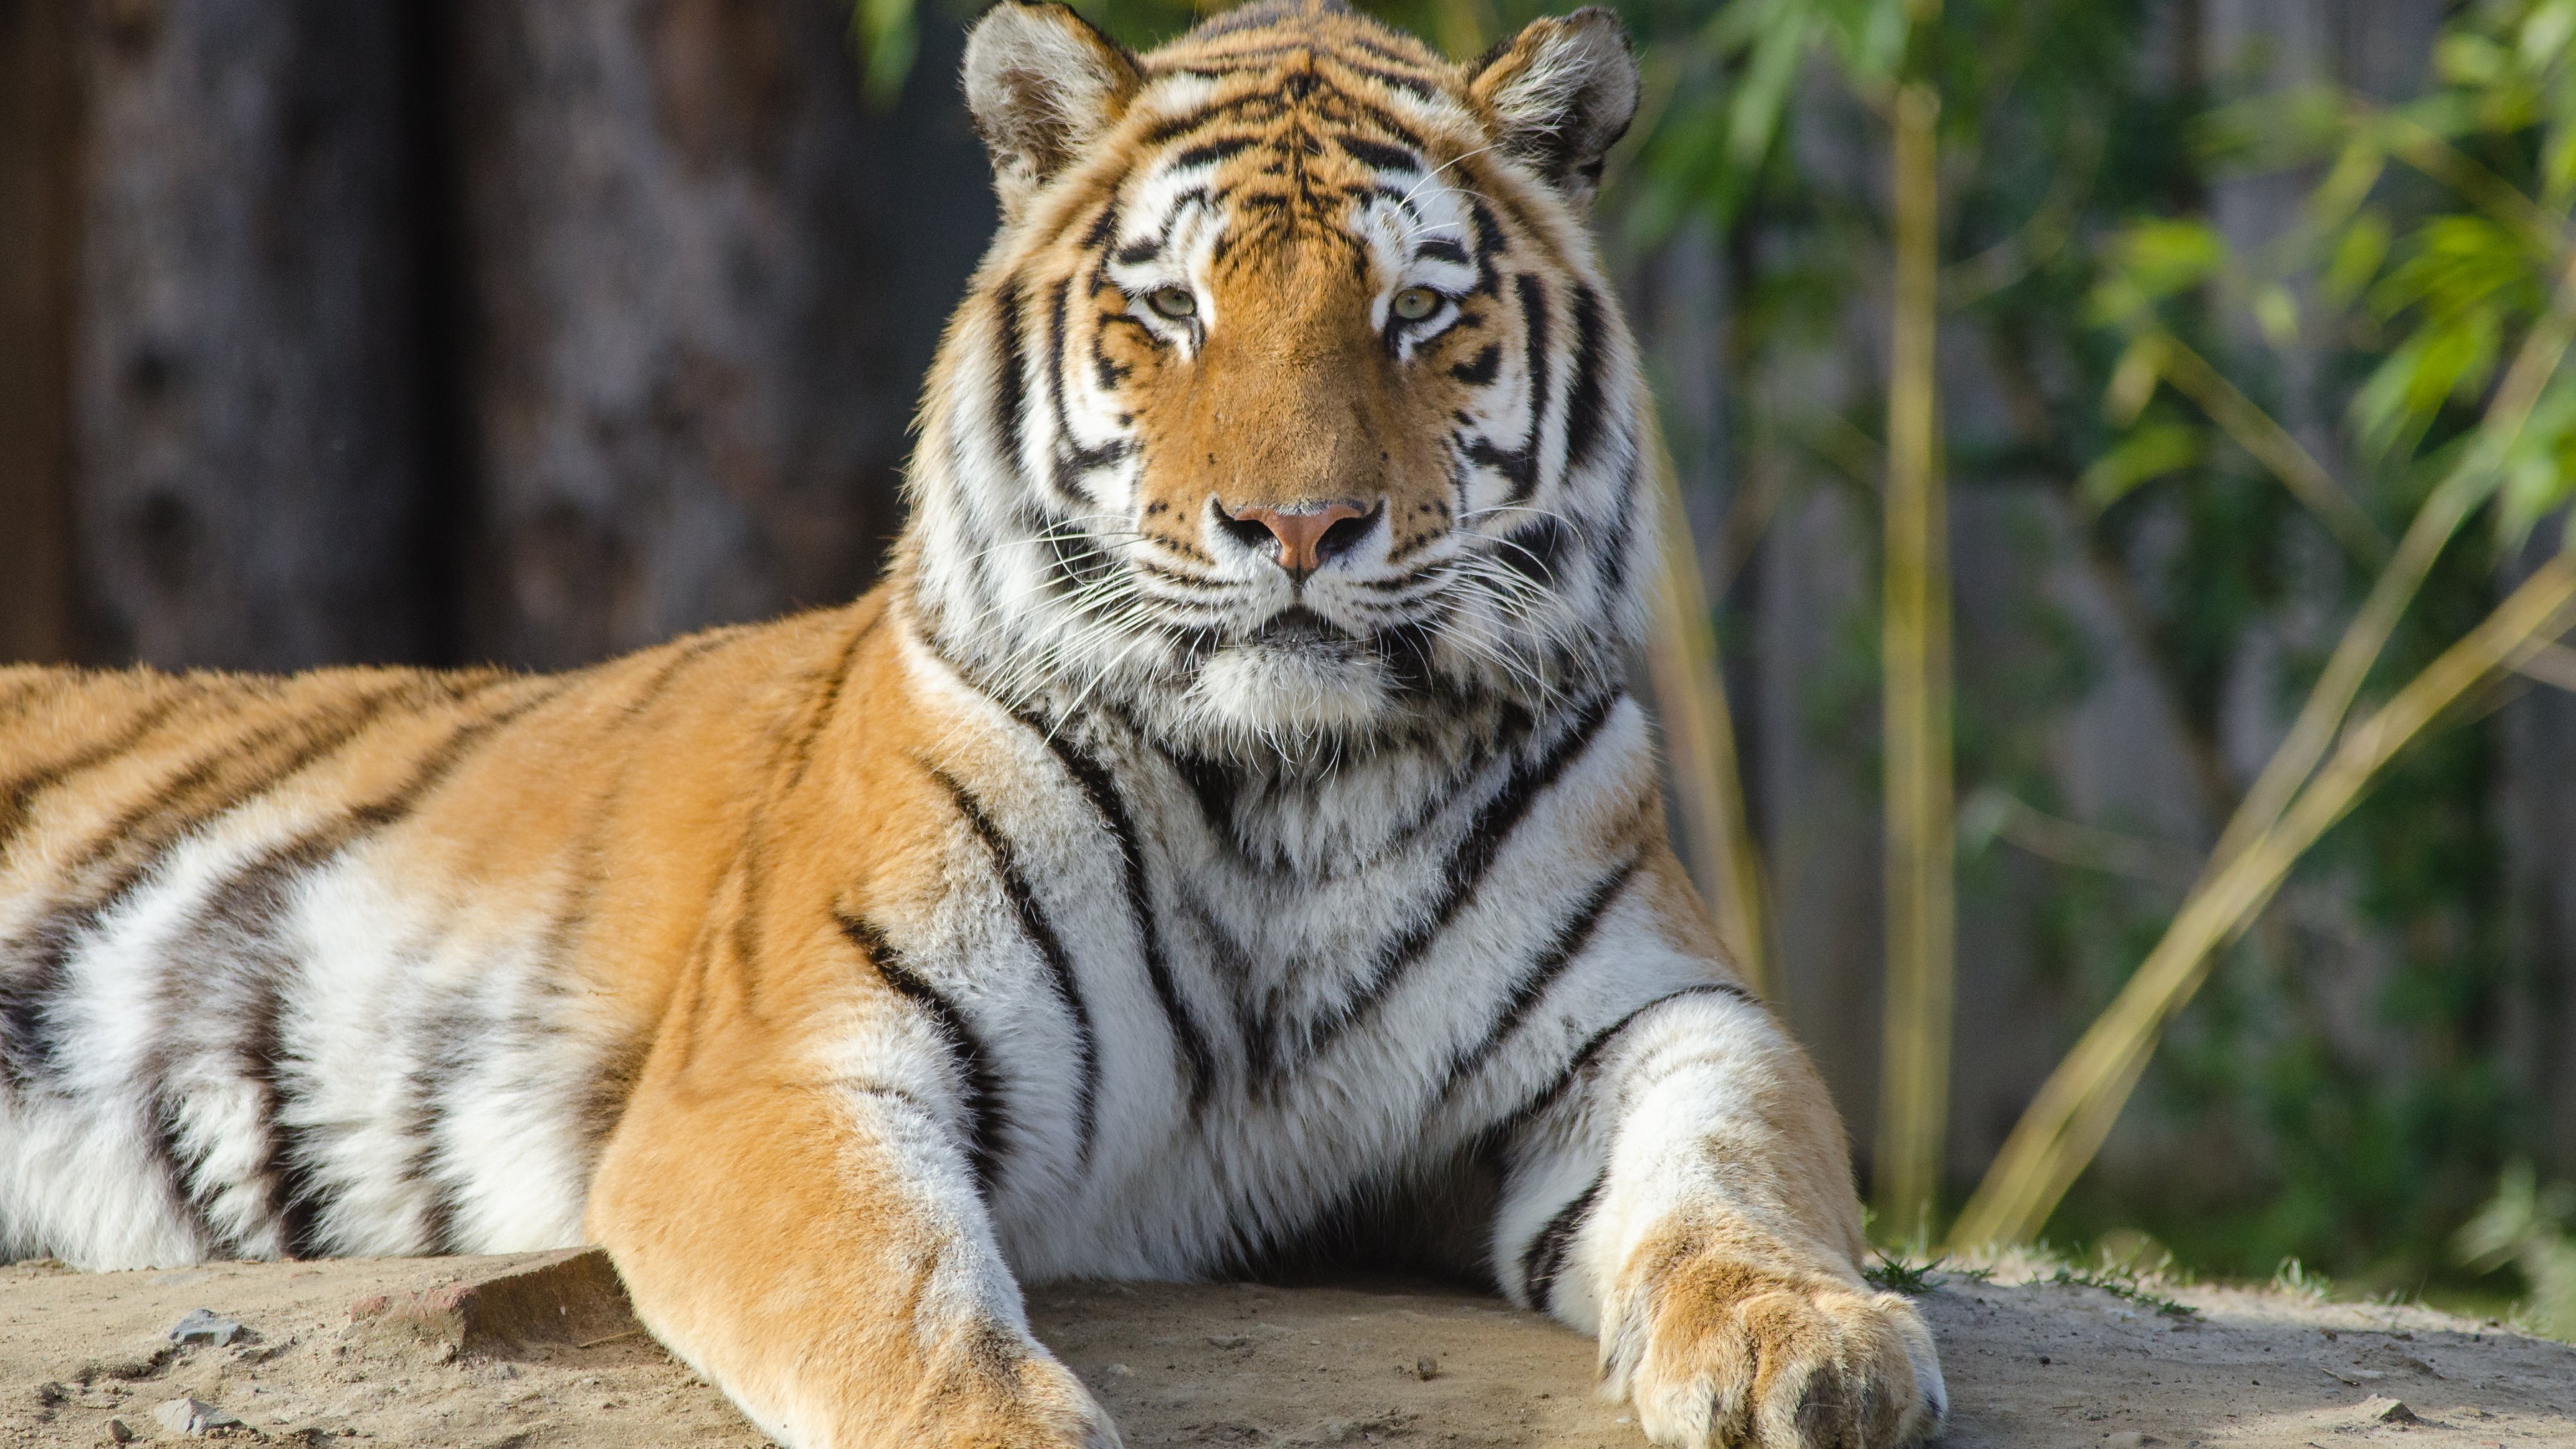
<point>1225,833</point>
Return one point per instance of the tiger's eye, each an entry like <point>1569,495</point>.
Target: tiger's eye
<point>1415,303</point>
<point>1173,302</point>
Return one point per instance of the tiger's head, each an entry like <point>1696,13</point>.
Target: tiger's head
<point>1290,404</point>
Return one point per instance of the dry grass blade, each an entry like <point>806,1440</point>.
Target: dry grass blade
<point>1699,735</point>
<point>2074,1111</point>
<point>1915,1074</point>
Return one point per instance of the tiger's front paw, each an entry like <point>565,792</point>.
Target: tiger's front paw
<point>1721,1344</point>
<point>995,1391</point>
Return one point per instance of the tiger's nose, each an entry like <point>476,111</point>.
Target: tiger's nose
<point>1305,536</point>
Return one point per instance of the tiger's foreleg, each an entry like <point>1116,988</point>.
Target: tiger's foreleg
<point>1688,1200</point>
<point>803,1228</point>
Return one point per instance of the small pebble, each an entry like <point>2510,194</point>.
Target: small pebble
<point>1426,1368</point>
<point>119,1432</point>
<point>2381,1410</point>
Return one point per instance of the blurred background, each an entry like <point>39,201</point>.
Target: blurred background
<point>2222,340</point>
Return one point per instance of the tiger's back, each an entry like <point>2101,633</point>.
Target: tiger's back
<point>355,961</point>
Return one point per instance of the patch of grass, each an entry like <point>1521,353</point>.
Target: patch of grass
<point>2121,1285</point>
<point>1895,1275</point>
<point>2299,1280</point>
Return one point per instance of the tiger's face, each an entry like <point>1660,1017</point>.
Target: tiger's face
<point>1290,404</point>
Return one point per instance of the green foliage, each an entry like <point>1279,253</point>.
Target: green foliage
<point>2345,1072</point>
<point>2528,1227</point>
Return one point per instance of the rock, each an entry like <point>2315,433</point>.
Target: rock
<point>204,1326</point>
<point>572,1297</point>
<point>192,1417</point>
<point>2129,1439</point>
<point>119,1432</point>
<point>2380,1409</point>
<point>1426,1368</point>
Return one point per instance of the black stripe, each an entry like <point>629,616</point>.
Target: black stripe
<point>1104,367</point>
<point>1207,152</point>
<point>1197,1060</point>
<point>1381,156</point>
<point>24,789</point>
<point>1441,249</point>
<point>1067,464</point>
<point>1534,549</point>
<point>1489,245</point>
<point>1072,465</point>
<point>1482,369</point>
<point>1571,937</point>
<point>1544,1258</point>
<point>1533,299</point>
<point>1419,89</point>
<point>1042,937</point>
<point>682,657</point>
<point>1623,527</point>
<point>1104,228</point>
<point>448,1031</point>
<point>1583,400</point>
<point>1009,386</point>
<point>800,750</point>
<point>1469,861</point>
<point>983,1100</point>
<point>1597,1043</point>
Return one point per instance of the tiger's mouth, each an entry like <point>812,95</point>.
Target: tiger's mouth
<point>1301,628</point>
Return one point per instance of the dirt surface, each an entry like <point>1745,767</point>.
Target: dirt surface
<point>513,1352</point>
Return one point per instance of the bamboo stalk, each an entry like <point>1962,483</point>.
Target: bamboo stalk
<point>2272,446</point>
<point>1699,736</point>
<point>2453,500</point>
<point>2075,1110</point>
<point>1914,1082</point>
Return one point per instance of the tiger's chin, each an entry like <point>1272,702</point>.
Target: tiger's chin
<point>1277,695</point>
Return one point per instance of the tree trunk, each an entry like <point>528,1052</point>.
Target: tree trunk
<point>698,279</point>
<point>39,126</point>
<point>246,374</point>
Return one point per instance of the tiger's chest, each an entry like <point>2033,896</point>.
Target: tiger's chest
<point>1229,1003</point>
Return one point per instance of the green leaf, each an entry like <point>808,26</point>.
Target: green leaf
<point>2133,381</point>
<point>887,35</point>
<point>2142,457</point>
<point>2358,256</point>
<point>2277,313</point>
<point>2165,257</point>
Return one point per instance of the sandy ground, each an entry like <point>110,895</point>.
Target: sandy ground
<point>83,1356</point>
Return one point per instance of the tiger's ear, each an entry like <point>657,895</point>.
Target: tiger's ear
<point>1560,94</point>
<point>1040,81</point>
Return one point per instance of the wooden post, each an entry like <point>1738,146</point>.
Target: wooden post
<point>39,154</point>
<point>702,282</point>
<point>246,374</point>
